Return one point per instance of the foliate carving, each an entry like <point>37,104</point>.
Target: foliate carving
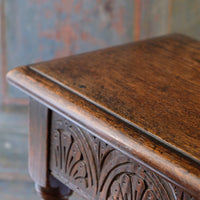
<point>181,195</point>
<point>86,163</point>
<point>132,186</point>
<point>128,186</point>
<point>68,157</point>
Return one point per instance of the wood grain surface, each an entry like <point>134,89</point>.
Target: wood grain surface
<point>153,84</point>
<point>38,143</point>
<point>142,98</point>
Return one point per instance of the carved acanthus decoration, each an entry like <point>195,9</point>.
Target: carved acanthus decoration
<point>100,171</point>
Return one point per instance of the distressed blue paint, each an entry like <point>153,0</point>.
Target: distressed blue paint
<point>43,30</point>
<point>154,18</point>
<point>186,18</point>
<point>24,21</point>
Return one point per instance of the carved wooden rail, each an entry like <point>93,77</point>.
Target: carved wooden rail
<point>98,171</point>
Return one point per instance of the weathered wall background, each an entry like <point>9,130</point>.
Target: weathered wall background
<point>35,30</point>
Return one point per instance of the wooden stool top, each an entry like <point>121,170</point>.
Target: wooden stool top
<point>142,97</point>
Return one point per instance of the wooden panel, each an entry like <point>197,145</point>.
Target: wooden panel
<point>96,170</point>
<point>42,30</point>
<point>186,17</point>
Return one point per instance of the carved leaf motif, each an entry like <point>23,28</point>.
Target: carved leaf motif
<point>74,157</point>
<point>181,195</point>
<point>125,186</point>
<point>57,150</point>
<point>121,188</point>
<point>79,173</point>
<point>66,141</point>
<point>130,187</point>
<point>102,150</point>
<point>68,157</point>
<point>102,171</point>
<point>149,195</point>
<point>138,187</point>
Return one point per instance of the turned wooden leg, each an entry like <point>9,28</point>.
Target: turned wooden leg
<point>54,191</point>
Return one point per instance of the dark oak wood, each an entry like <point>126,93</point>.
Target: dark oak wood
<point>95,169</point>
<point>142,99</point>
<point>54,190</point>
<point>47,186</point>
<point>143,83</point>
<point>38,142</point>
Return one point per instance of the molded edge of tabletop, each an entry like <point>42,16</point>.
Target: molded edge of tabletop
<point>175,166</point>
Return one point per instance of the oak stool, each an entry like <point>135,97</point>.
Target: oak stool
<point>122,123</point>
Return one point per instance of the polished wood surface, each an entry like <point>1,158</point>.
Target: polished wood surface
<point>141,98</point>
<point>38,142</point>
<point>46,185</point>
<point>154,85</point>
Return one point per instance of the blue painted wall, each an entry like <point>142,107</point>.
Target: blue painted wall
<point>37,30</point>
<point>43,30</point>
